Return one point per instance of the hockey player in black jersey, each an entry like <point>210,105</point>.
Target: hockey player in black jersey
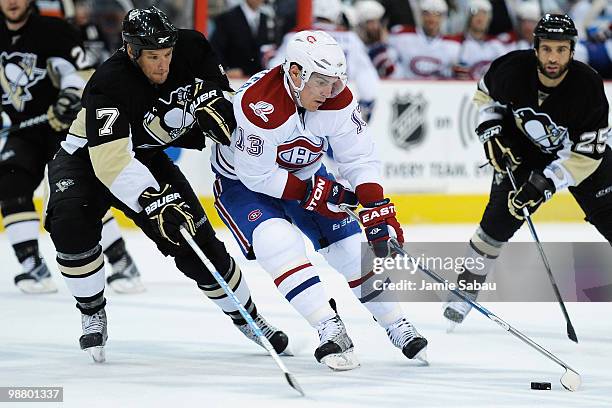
<point>547,115</point>
<point>42,69</point>
<point>165,87</point>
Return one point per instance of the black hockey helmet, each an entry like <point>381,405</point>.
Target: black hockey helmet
<point>555,27</point>
<point>148,29</point>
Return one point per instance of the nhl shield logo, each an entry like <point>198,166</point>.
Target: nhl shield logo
<point>408,121</point>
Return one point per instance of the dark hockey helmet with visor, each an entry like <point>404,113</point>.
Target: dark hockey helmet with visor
<point>555,27</point>
<point>148,29</point>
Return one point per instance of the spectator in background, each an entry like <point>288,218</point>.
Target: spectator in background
<point>373,32</point>
<point>401,12</point>
<point>478,49</point>
<point>527,17</point>
<point>596,51</point>
<point>500,18</point>
<point>243,36</point>
<point>361,72</point>
<point>423,52</point>
<point>94,42</point>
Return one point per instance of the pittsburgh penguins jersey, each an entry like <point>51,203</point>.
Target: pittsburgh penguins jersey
<point>35,62</point>
<point>276,144</point>
<point>126,120</point>
<point>561,129</point>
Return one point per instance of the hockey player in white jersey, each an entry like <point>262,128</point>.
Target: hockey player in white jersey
<point>360,71</point>
<point>271,185</point>
<point>424,53</point>
<point>477,48</point>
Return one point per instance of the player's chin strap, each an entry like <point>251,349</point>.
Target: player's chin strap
<point>570,379</point>
<point>8,127</point>
<point>571,333</point>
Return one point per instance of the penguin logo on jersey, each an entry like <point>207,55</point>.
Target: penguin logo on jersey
<point>18,73</point>
<point>170,119</point>
<point>540,129</point>
<point>408,121</point>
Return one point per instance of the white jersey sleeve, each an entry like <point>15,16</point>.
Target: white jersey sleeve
<point>255,157</point>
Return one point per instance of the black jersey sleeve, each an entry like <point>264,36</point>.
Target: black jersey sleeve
<point>111,151</point>
<point>587,139</point>
<point>205,63</point>
<point>68,64</point>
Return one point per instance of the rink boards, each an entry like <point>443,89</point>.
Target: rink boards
<point>430,156</point>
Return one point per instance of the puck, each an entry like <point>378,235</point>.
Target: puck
<point>540,386</point>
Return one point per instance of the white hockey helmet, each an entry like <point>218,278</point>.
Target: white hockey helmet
<point>528,10</point>
<point>369,10</point>
<point>316,52</point>
<point>327,9</point>
<point>480,5</point>
<point>434,6</point>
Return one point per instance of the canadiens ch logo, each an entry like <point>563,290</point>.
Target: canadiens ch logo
<point>408,121</point>
<point>254,215</point>
<point>18,73</point>
<point>299,153</point>
<point>540,129</point>
<point>262,109</point>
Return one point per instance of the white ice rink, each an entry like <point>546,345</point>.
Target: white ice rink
<point>170,347</point>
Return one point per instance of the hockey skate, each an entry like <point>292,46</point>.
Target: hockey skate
<point>125,277</point>
<point>336,347</point>
<point>455,310</point>
<point>94,335</point>
<point>36,277</point>
<point>405,337</point>
<point>276,337</point>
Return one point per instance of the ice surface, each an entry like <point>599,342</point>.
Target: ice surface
<point>171,347</point>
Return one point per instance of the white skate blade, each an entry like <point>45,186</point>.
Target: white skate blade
<point>30,286</point>
<point>97,354</point>
<point>421,357</point>
<point>341,361</point>
<point>127,286</point>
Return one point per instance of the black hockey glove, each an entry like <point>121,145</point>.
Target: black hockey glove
<point>323,196</point>
<point>214,113</point>
<point>167,211</point>
<point>65,109</point>
<point>530,195</point>
<point>497,148</point>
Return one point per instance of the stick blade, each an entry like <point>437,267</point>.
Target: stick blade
<point>571,333</point>
<point>571,380</point>
<point>294,384</point>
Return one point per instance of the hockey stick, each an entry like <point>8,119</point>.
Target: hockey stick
<point>570,379</point>
<point>36,120</point>
<point>571,333</point>
<point>245,315</point>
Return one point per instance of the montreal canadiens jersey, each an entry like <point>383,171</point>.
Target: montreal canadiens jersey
<point>275,140</point>
<point>476,55</point>
<point>423,57</point>
<point>45,50</point>
<point>562,130</point>
<point>126,120</point>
